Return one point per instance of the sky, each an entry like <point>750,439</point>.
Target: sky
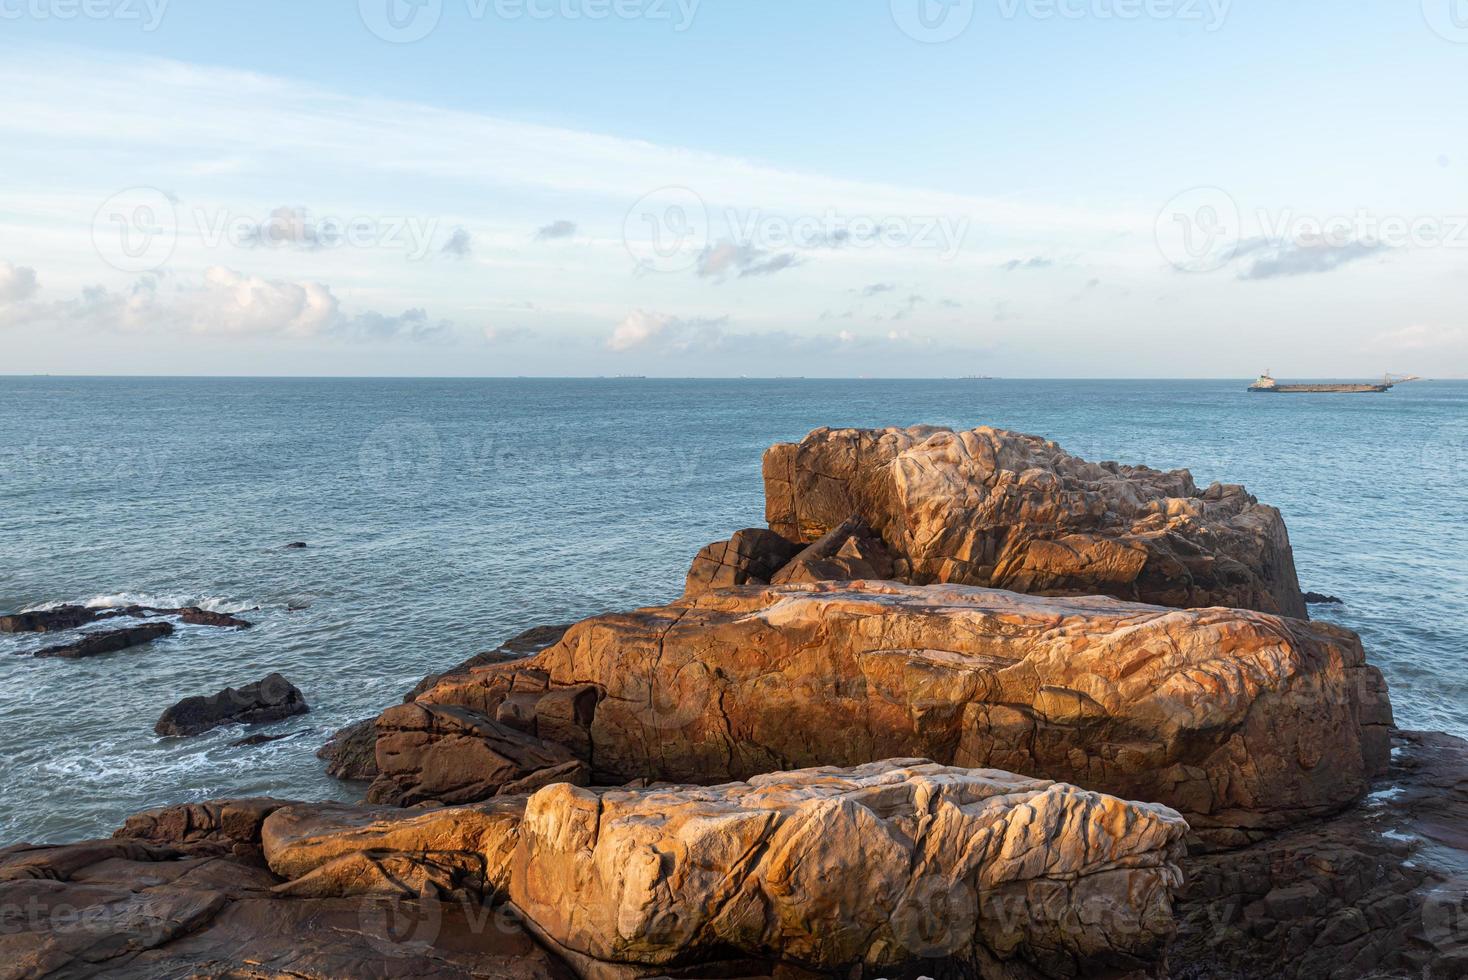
<point>888,188</point>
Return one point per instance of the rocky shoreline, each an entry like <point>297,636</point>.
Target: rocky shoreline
<point>968,707</point>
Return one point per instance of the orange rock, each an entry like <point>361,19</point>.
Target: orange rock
<point>1000,509</point>
<point>883,866</point>
<point>1243,721</point>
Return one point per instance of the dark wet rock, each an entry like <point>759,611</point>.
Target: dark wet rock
<point>296,546</point>
<point>48,620</point>
<point>111,641</point>
<point>195,616</point>
<point>526,644</point>
<point>750,557</point>
<point>1379,890</point>
<point>449,754</point>
<point>72,617</point>
<point>268,700</point>
<point>1320,599</point>
<point>352,752</point>
<point>192,615</point>
<point>132,910</point>
<point>253,740</point>
<point>849,552</point>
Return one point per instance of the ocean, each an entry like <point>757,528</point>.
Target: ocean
<point>443,516</point>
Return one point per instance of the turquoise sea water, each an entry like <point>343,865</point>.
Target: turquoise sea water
<point>445,515</point>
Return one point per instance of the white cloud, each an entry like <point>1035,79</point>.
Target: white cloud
<point>556,230</point>
<point>725,257</point>
<point>17,283</point>
<point>460,244</point>
<point>227,303</point>
<point>1277,260</point>
<point>642,330</point>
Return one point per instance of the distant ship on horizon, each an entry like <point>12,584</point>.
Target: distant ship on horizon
<point>1268,384</point>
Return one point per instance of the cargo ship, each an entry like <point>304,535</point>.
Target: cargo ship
<point>1268,384</point>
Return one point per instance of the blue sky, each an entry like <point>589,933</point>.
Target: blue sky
<point>1121,188</point>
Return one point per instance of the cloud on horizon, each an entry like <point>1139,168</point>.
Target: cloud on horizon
<point>1277,260</point>
<point>556,230</point>
<point>720,260</point>
<point>460,244</point>
<point>225,303</point>
<point>17,283</point>
<point>1037,262</point>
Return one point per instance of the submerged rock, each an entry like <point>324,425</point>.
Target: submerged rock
<point>48,620</point>
<point>72,617</point>
<point>1318,599</point>
<point>111,641</point>
<point>1242,721</point>
<point>251,741</point>
<point>264,701</point>
<point>996,508</point>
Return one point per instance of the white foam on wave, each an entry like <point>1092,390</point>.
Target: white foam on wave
<point>120,600</point>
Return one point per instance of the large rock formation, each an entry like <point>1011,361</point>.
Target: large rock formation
<point>996,508</point>
<point>895,869</point>
<point>881,866</point>
<point>1244,722</point>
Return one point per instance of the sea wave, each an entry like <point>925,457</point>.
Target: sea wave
<point>121,600</point>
